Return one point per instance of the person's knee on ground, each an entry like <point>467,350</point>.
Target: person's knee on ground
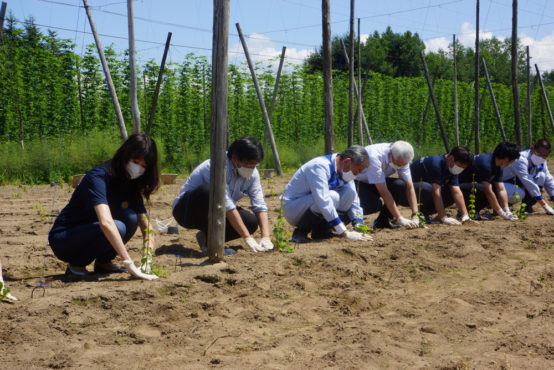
<point>309,222</point>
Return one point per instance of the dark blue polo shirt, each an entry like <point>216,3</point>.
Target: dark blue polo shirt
<point>96,188</point>
<point>483,168</point>
<point>433,169</point>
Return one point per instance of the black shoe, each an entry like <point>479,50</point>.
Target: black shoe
<point>299,236</point>
<point>529,209</point>
<point>383,222</point>
<point>323,234</point>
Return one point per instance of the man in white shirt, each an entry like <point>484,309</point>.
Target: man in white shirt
<point>375,183</point>
<point>321,196</point>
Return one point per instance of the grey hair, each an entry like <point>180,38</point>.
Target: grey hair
<point>357,154</point>
<point>402,149</point>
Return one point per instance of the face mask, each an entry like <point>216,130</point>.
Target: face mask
<point>455,170</point>
<point>537,160</point>
<point>348,176</point>
<point>245,171</point>
<point>134,170</point>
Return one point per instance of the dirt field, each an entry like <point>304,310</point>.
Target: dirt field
<point>474,296</point>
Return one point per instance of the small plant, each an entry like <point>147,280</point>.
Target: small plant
<point>4,291</point>
<point>361,228</point>
<point>519,209</point>
<point>419,214</point>
<point>280,235</point>
<point>146,264</point>
<point>472,194</point>
<point>271,186</point>
<point>41,212</point>
<point>16,195</point>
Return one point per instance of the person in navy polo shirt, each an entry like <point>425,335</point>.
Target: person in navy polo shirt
<point>530,173</point>
<point>105,210</point>
<point>487,170</point>
<point>436,183</point>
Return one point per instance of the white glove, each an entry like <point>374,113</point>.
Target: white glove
<point>465,218</point>
<point>266,243</point>
<point>548,209</point>
<point>251,242</point>
<point>410,224</point>
<point>507,215</point>
<point>450,221</point>
<point>134,271</point>
<point>357,236</point>
<point>415,219</point>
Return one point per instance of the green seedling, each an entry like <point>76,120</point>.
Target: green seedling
<point>4,291</point>
<point>280,235</point>
<point>271,186</point>
<point>361,228</point>
<point>41,212</point>
<point>420,215</point>
<point>519,208</point>
<point>146,264</point>
<point>472,194</point>
<point>16,195</point>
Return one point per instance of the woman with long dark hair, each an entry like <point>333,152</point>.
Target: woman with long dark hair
<point>105,210</point>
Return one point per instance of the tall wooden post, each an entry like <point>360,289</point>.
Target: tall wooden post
<point>425,111</point>
<point>361,91</point>
<point>351,79</point>
<point>2,17</point>
<point>545,98</point>
<point>476,100</point>
<point>158,84</point>
<point>515,91</point>
<point>498,118</point>
<point>327,77</point>
<point>455,74</point>
<point>529,123</point>
<point>262,104</point>
<point>434,101</point>
<point>109,81</point>
<point>277,79</point>
<point>218,131</point>
<point>135,111</point>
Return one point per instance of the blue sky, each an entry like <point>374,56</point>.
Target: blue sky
<point>270,24</point>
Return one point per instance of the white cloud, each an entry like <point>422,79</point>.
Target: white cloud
<point>364,37</point>
<point>466,38</point>
<point>437,44</point>
<point>262,49</point>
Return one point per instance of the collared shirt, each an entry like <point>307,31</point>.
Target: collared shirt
<point>434,170</point>
<point>317,177</point>
<point>379,165</point>
<point>237,186</point>
<point>523,172</point>
<point>484,168</point>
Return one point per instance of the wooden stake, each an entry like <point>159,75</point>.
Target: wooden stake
<point>158,84</point>
<point>515,91</point>
<point>545,98</point>
<point>2,18</point>
<point>425,111</point>
<point>476,100</point>
<point>358,110</point>
<point>327,76</point>
<point>135,111</point>
<point>262,104</point>
<point>109,81</point>
<point>529,123</point>
<point>434,101</point>
<point>277,79</point>
<point>218,130</point>
<point>351,79</point>
<point>498,118</point>
<point>456,123</point>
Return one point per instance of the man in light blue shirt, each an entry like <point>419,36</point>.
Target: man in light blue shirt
<point>321,195</point>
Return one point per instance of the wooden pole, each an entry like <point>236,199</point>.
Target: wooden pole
<point>158,84</point>
<point>351,79</point>
<point>545,98</point>
<point>277,79</point>
<point>2,18</point>
<point>262,104</point>
<point>218,131</point>
<point>476,100</point>
<point>109,81</point>
<point>434,101</point>
<point>456,123</point>
<point>526,105</point>
<point>515,91</point>
<point>498,118</point>
<point>327,77</point>
<point>529,123</point>
<point>358,96</point>
<point>135,111</point>
<point>425,111</point>
<point>359,111</point>
<point>80,92</point>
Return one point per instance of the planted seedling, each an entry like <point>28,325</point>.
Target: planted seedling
<point>472,194</point>
<point>280,235</point>
<point>146,264</point>
<point>519,208</point>
<point>4,291</point>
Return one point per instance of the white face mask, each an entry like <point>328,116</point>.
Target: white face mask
<point>455,170</point>
<point>245,171</point>
<point>348,176</point>
<point>134,170</point>
<point>537,160</point>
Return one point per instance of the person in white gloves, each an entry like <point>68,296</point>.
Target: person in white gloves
<point>190,207</point>
<point>485,172</point>
<point>321,196</point>
<point>9,296</point>
<point>436,183</point>
<point>375,183</point>
<point>105,210</point>
<point>530,172</point>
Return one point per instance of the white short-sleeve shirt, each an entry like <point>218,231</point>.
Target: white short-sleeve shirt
<point>379,165</point>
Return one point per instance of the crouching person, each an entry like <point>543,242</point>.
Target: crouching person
<point>190,207</point>
<point>105,210</point>
<point>321,195</point>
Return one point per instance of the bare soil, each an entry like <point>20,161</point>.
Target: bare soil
<point>474,296</point>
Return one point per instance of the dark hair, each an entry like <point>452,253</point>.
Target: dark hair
<point>246,148</point>
<point>506,149</point>
<point>357,153</point>
<point>462,154</point>
<point>542,143</point>
<point>135,147</point>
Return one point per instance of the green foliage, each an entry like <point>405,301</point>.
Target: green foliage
<point>361,228</point>
<point>280,235</point>
<point>4,291</point>
<point>146,264</point>
<point>472,194</point>
<point>519,208</point>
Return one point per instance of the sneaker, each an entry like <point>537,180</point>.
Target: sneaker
<point>202,241</point>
